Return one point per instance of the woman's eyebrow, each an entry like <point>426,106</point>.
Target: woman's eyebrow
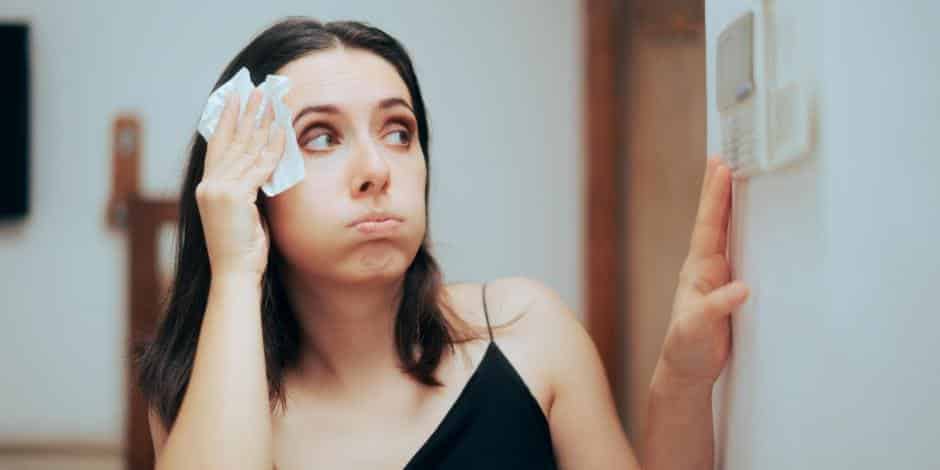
<point>392,102</point>
<point>332,109</point>
<point>322,108</point>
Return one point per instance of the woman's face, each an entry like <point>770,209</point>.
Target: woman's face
<point>358,135</point>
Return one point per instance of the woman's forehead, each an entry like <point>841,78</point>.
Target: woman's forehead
<point>342,76</point>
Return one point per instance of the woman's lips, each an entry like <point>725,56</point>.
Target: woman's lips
<point>378,227</point>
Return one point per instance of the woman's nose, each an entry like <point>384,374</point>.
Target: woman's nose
<point>371,173</point>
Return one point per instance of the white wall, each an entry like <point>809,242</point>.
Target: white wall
<point>834,365</point>
<point>502,81</point>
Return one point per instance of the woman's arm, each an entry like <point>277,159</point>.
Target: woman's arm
<point>584,425</point>
<point>679,424</point>
<point>224,421</point>
<point>698,342</point>
<point>582,417</point>
<point>586,429</point>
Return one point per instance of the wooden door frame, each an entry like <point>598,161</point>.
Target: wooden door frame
<point>608,25</point>
<point>602,183</point>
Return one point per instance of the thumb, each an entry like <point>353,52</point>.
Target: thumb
<point>722,301</point>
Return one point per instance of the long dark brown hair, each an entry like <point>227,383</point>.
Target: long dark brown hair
<point>165,362</point>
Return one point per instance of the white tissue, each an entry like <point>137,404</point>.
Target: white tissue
<point>290,170</point>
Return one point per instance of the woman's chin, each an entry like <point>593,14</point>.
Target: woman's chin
<point>377,265</point>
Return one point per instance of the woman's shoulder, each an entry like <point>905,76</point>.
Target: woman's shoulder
<point>517,306</point>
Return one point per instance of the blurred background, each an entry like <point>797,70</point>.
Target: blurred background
<point>536,109</point>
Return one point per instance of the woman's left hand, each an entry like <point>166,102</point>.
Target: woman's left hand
<point>698,341</point>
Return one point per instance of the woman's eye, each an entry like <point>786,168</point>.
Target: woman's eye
<point>399,137</point>
<point>321,142</point>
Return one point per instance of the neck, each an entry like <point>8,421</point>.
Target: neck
<point>348,330</point>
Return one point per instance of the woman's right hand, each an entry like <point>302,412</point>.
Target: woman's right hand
<point>698,342</point>
<point>239,159</point>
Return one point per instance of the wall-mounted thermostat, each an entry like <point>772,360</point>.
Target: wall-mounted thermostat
<point>764,124</point>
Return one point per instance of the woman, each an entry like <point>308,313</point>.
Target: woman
<point>312,329</point>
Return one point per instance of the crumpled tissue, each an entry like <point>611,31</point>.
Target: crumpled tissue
<point>290,170</point>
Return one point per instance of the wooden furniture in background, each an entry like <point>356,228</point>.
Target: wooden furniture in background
<point>142,219</point>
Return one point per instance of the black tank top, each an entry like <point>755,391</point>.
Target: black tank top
<point>495,423</point>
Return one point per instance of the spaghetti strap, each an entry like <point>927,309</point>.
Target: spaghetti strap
<point>486,314</point>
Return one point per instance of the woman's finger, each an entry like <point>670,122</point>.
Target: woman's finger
<point>724,213</point>
<point>246,123</point>
<point>703,194</point>
<point>725,299</point>
<point>259,136</point>
<point>270,156</point>
<point>222,136</point>
<point>717,208</point>
<point>709,169</point>
<point>268,116</point>
<point>708,233</point>
<point>228,120</point>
